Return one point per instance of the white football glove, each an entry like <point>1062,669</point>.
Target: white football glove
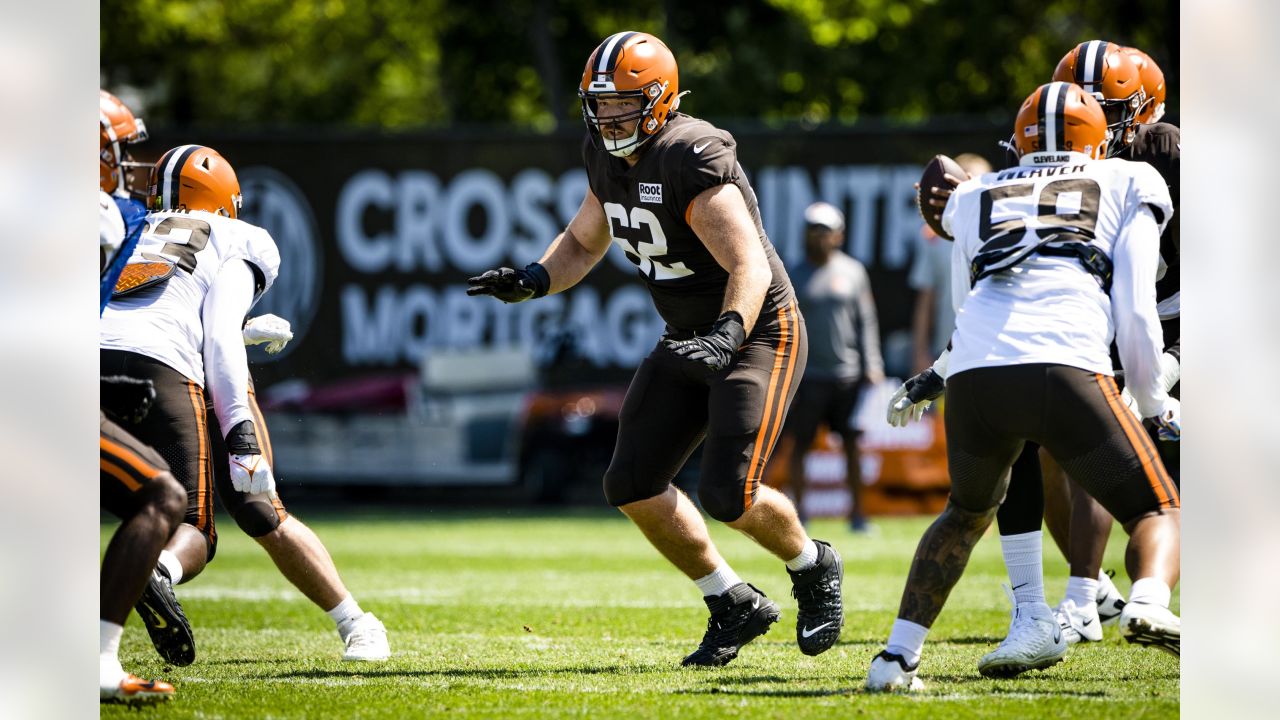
<point>252,475</point>
<point>273,330</point>
<point>1169,422</point>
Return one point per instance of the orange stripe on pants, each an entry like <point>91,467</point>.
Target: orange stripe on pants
<point>111,469</point>
<point>756,466</point>
<point>1157,476</point>
<point>203,500</point>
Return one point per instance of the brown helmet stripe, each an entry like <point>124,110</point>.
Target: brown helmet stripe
<point>171,175</point>
<point>1089,62</point>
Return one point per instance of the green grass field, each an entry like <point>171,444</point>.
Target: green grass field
<point>573,614</point>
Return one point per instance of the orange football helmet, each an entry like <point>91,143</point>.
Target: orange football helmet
<point>118,128</point>
<point>1153,84</point>
<point>630,65</point>
<point>194,177</point>
<point>1061,117</point>
<point>1113,78</point>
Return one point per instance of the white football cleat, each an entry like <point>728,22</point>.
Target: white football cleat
<point>1035,642</point>
<point>1110,600</point>
<point>367,640</point>
<point>1147,624</point>
<point>890,673</point>
<point>1079,624</point>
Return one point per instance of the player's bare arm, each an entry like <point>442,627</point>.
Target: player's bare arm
<point>576,250</point>
<point>720,218</point>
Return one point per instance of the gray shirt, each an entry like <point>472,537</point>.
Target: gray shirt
<point>840,315</point>
<point>931,270</point>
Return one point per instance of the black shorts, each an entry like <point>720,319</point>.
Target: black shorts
<point>125,467</point>
<point>672,406</point>
<point>1074,414</point>
<point>822,401</point>
<point>256,515</point>
<point>175,429</point>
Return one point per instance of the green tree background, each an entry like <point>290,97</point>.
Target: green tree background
<point>401,64</point>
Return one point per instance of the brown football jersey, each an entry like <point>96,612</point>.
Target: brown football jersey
<point>647,206</point>
<point>1159,145</point>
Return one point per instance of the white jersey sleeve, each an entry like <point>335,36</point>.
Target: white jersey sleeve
<point>165,321</point>
<point>226,364</point>
<point>1139,338</point>
<point>1149,189</point>
<point>110,226</point>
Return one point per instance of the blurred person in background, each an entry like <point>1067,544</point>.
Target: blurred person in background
<point>844,351</point>
<point>668,190</point>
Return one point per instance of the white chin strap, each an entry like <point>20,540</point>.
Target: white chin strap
<point>611,146</point>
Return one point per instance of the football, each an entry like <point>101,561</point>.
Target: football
<point>932,176</point>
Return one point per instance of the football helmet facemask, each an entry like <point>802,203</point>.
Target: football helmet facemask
<point>118,128</point>
<point>1060,117</point>
<point>194,177</point>
<point>629,65</point>
<point>1153,84</point>
<point>1114,79</point>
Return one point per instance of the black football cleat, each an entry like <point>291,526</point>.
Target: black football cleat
<point>166,623</point>
<point>737,617</point>
<point>820,602</point>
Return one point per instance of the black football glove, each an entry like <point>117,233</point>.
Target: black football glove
<point>716,349</point>
<point>125,399</point>
<point>512,286</point>
<point>914,397</point>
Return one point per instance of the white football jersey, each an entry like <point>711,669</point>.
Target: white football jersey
<point>1015,231</point>
<point>163,321</point>
<point>110,226</point>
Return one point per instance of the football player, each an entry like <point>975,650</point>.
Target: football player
<point>1130,87</point>
<point>195,195</point>
<point>667,189</point>
<point>118,129</point>
<point>135,485</point>
<point>1053,259</point>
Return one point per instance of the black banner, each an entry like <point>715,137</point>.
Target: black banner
<point>378,234</point>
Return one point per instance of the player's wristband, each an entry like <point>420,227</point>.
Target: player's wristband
<point>540,277</point>
<point>242,440</point>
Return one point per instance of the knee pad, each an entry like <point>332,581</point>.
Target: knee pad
<point>722,503</point>
<point>257,518</point>
<point>623,487</point>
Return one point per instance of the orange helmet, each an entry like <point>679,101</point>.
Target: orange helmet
<point>1113,78</point>
<point>1153,84</point>
<point>194,177</point>
<point>117,129</point>
<point>630,65</point>
<point>1061,117</point>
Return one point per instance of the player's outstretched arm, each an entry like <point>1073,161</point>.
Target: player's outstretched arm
<point>567,260</point>
<point>1133,308</point>
<point>720,219</point>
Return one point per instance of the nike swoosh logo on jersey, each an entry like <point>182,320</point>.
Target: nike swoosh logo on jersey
<point>697,149</point>
<point>808,633</point>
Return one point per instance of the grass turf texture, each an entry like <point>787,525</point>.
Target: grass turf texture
<point>573,614</point>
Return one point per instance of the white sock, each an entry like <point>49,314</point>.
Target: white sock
<point>1082,591</point>
<point>1023,558</point>
<point>907,639</point>
<point>807,558</point>
<point>109,638</point>
<point>1150,590</point>
<point>170,563</point>
<point>345,613</point>
<point>718,582</point>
